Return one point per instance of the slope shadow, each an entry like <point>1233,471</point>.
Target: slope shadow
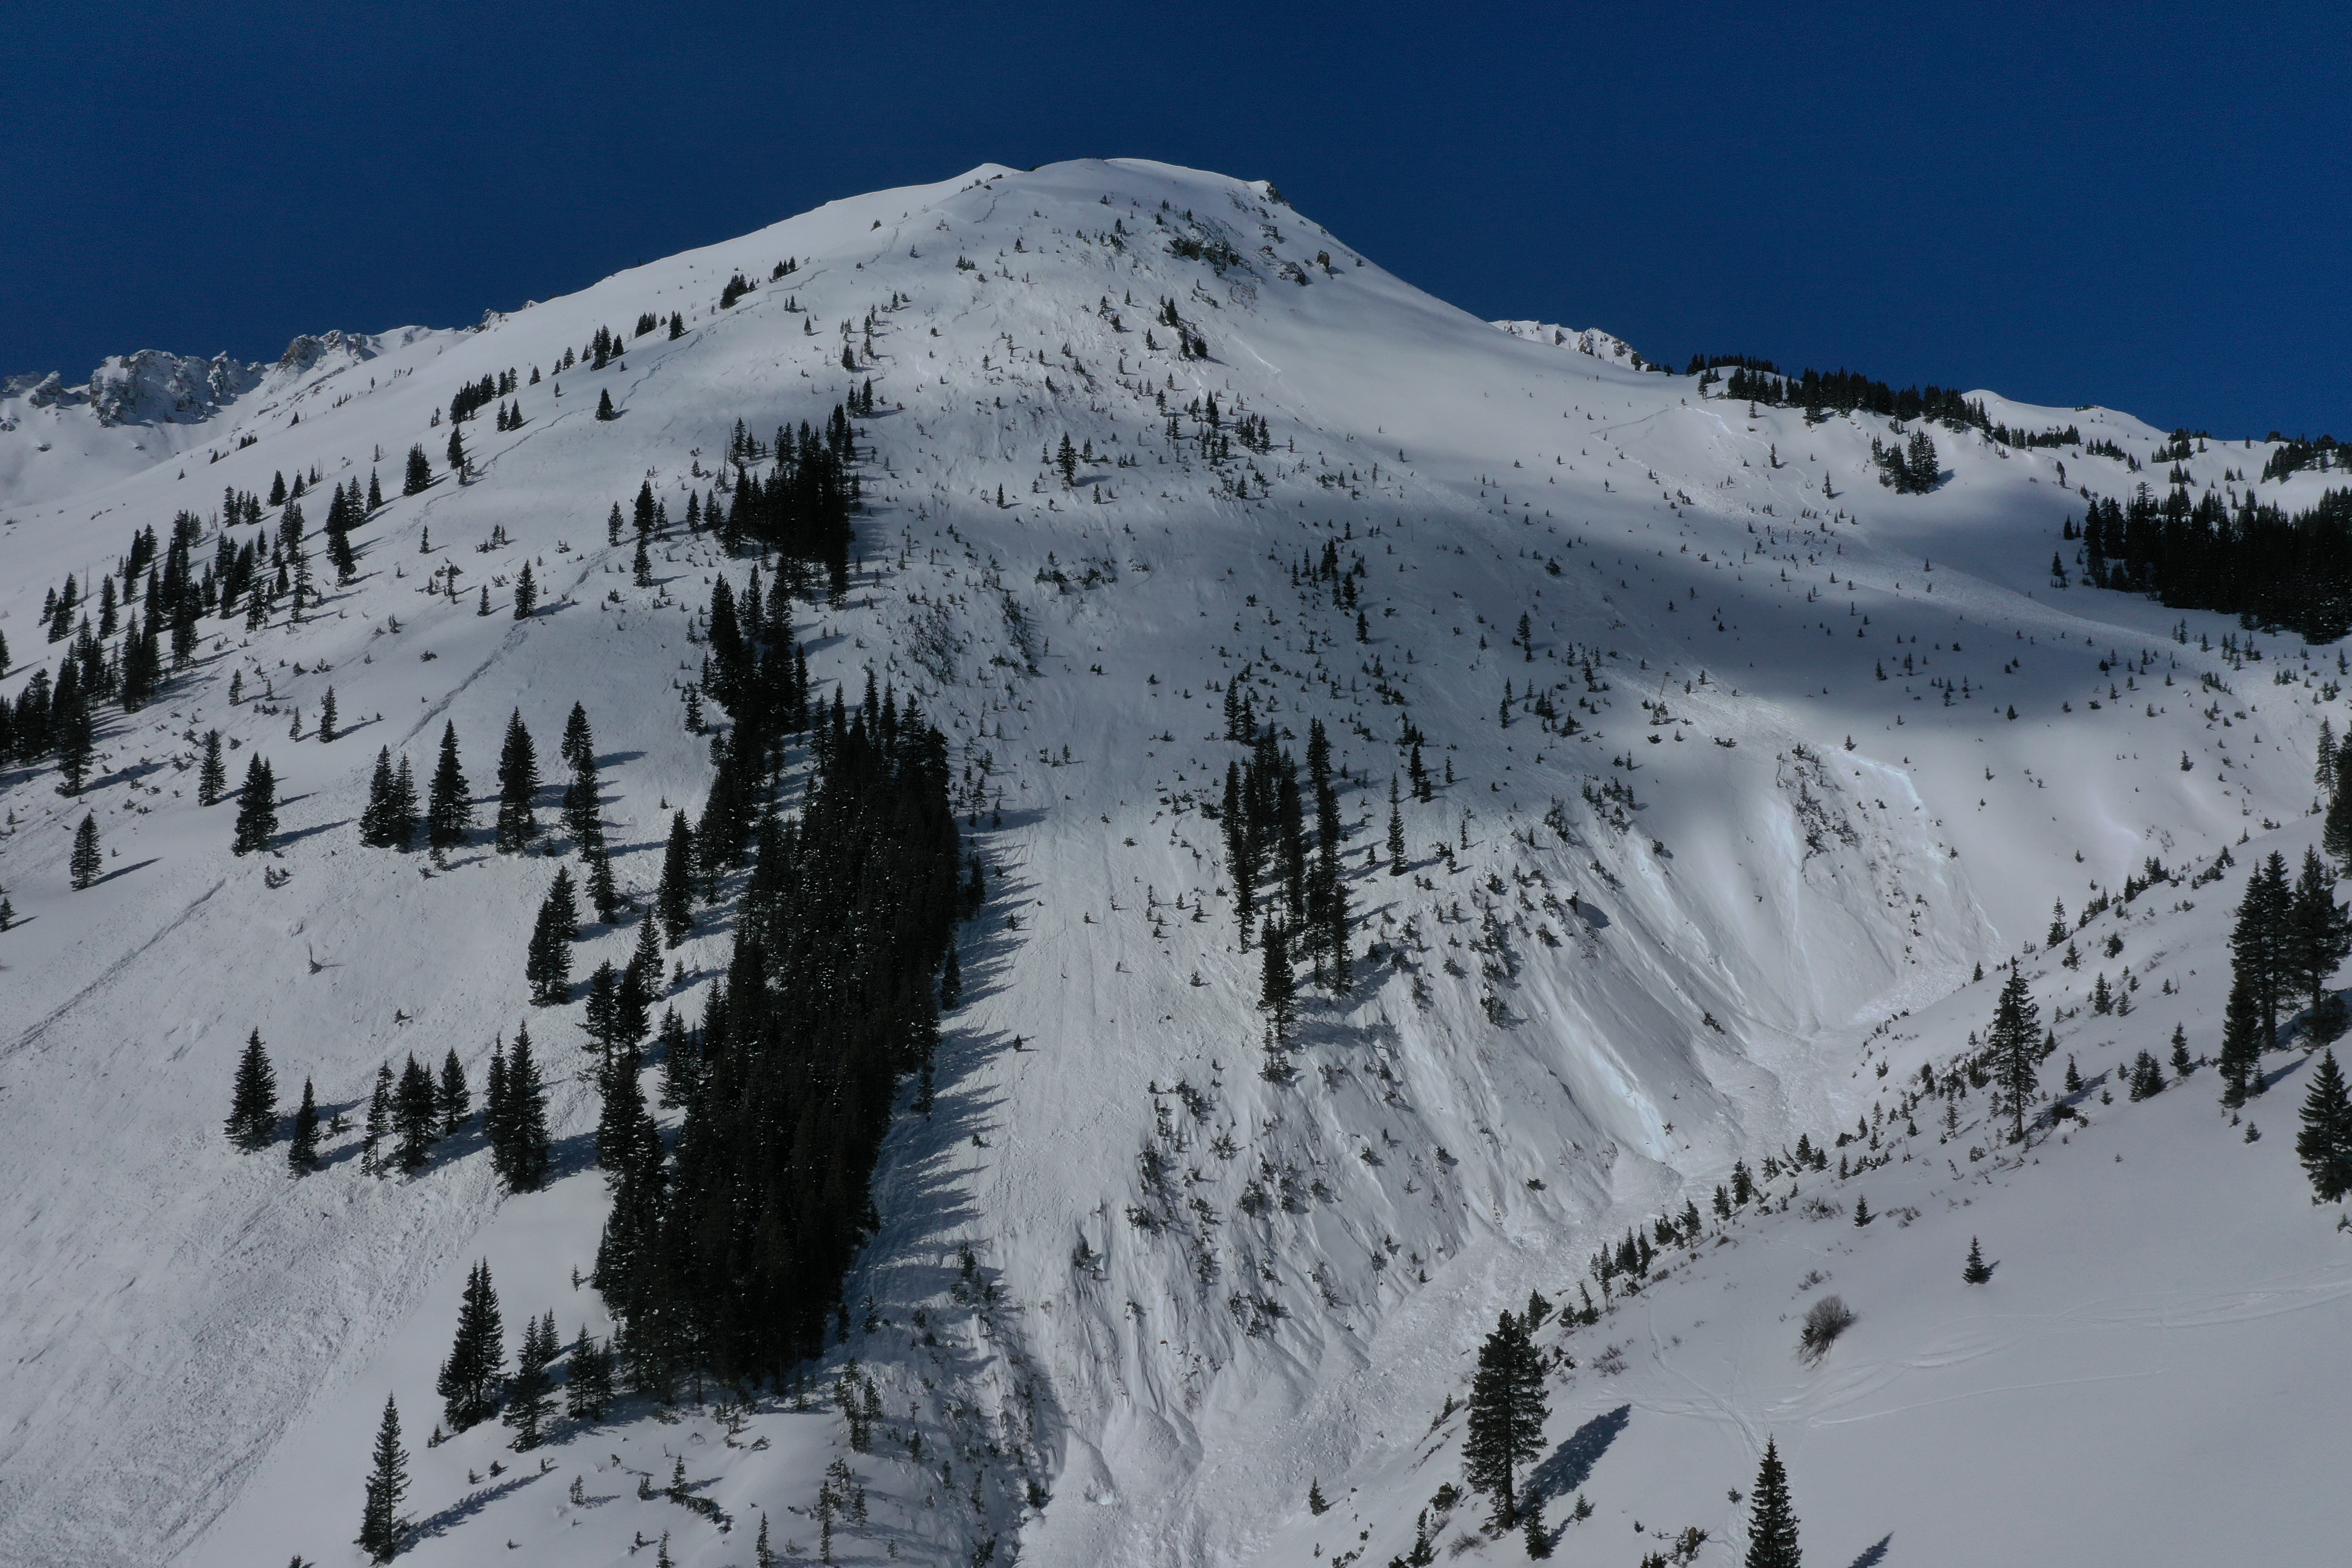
<point>1570,1465</point>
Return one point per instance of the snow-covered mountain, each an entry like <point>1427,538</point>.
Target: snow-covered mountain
<point>1708,862</point>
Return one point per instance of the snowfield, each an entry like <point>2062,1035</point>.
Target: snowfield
<point>1833,748</point>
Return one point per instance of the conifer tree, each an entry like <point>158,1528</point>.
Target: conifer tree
<point>605,405</point>
<point>1396,831</point>
<point>529,1401</point>
<point>589,1385</point>
<point>579,741</point>
<point>452,1099</point>
<point>419,474</point>
<point>376,824</point>
<point>2325,1142</point>
<point>472,1384</point>
<point>2319,934</point>
<point>1506,1416</point>
<point>450,811</point>
<point>675,899</point>
<point>1772,1518</point>
<point>518,1120</point>
<point>2336,835</point>
<point>526,594</point>
<point>457,448</point>
<point>83,866</point>
<point>302,1150</point>
<point>77,738</point>
<point>257,808</point>
<point>517,785</point>
<point>2260,944</point>
<point>379,1123</point>
<point>2239,1060</point>
<point>375,493</point>
<point>327,716</point>
<point>641,565</point>
<point>1974,1271</point>
<point>253,1103</point>
<point>626,1134</point>
<point>381,1525</point>
<point>2014,1048</point>
<point>416,1115</point>
<point>603,893</point>
<point>547,962</point>
<point>212,776</point>
<point>1277,989</point>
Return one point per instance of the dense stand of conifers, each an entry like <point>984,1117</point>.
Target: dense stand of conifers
<point>2254,561</point>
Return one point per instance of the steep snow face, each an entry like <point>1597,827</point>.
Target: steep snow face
<point>1137,1279</point>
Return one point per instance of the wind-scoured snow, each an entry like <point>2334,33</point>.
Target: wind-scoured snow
<point>1757,875</point>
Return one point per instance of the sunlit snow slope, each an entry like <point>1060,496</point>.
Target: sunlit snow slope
<point>1618,959</point>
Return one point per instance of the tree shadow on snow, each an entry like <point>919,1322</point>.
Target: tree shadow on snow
<point>1570,1465</point>
<point>1875,1552</point>
<point>122,871</point>
<point>469,1505</point>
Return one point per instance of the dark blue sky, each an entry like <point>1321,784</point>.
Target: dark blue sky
<point>2144,207</point>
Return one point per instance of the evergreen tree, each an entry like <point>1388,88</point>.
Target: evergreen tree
<point>472,1384</point>
<point>2261,945</point>
<point>1396,831</point>
<point>547,962</point>
<point>675,899</point>
<point>526,594</point>
<point>579,743</point>
<point>517,785</point>
<point>1277,989</point>
<point>1974,1271</point>
<point>2180,1063</point>
<point>1538,1539</point>
<point>381,1526</point>
<point>400,821</point>
<point>1771,1519</point>
<point>519,1140</point>
<point>416,1115</point>
<point>375,493</point>
<point>2014,1048</point>
<point>327,716</point>
<point>605,405</point>
<point>451,1100</point>
<point>375,819</point>
<point>83,866</point>
<point>457,448</point>
<point>2319,934</point>
<point>419,474</point>
<point>77,737</point>
<point>212,777</point>
<point>589,1385</point>
<point>2239,1061</point>
<point>529,1401</point>
<point>603,893</point>
<point>641,566</point>
<point>253,1103</point>
<point>450,811</point>
<point>2147,1078</point>
<point>626,1134</point>
<point>302,1152</point>
<point>2336,835</point>
<point>379,1123</point>
<point>257,808</point>
<point>2325,1142</point>
<point>1506,1416</point>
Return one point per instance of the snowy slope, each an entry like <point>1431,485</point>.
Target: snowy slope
<point>1124,1373</point>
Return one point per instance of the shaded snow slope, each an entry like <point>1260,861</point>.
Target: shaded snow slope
<point>1620,960</point>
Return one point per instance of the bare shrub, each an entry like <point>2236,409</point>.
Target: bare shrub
<point>1825,1319</point>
